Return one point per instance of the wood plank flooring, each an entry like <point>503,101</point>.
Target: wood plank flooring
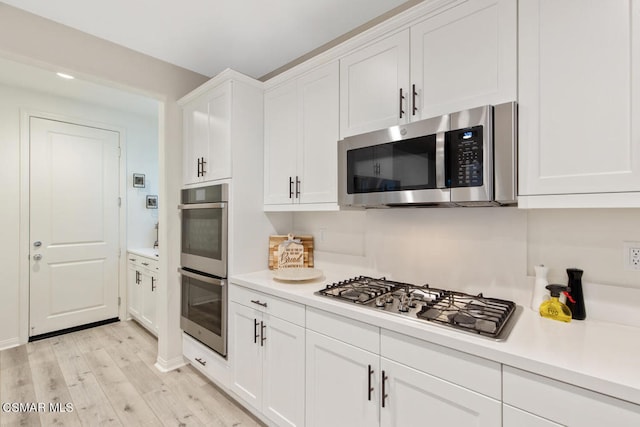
<point>105,376</point>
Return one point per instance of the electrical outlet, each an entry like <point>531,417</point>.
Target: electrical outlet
<point>632,255</point>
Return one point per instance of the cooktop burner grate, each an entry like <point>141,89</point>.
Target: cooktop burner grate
<point>470,313</point>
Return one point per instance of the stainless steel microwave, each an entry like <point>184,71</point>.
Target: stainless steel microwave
<point>467,158</point>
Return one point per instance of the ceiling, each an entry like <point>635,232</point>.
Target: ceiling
<point>253,37</point>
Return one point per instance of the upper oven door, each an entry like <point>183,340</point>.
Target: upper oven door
<point>204,237</point>
<point>470,155</point>
<point>400,165</point>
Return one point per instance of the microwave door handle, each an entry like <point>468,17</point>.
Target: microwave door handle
<point>203,206</point>
<point>441,166</point>
<point>201,278</point>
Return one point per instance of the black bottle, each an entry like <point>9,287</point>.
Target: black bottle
<point>576,306</point>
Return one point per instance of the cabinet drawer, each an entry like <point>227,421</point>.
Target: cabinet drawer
<point>564,403</point>
<point>286,310</point>
<point>142,262</point>
<point>472,372</point>
<point>352,332</point>
<point>205,360</point>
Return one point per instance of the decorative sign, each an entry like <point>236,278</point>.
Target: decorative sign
<point>291,253</point>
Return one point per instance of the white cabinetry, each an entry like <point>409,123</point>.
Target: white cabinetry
<point>142,284</point>
<point>301,134</point>
<point>579,93</point>
<point>267,369</point>
<point>387,379</point>
<point>561,403</point>
<point>460,56</point>
<point>207,144</point>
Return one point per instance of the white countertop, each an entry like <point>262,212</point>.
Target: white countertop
<point>595,355</point>
<point>145,252</point>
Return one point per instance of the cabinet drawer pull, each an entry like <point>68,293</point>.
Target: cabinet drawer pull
<point>370,388</point>
<point>384,392</point>
<point>257,301</point>
<point>199,166</point>
<point>200,361</point>
<point>203,170</point>
<point>413,101</point>
<point>297,188</point>
<point>145,264</point>
<point>401,103</point>
<point>255,331</point>
<point>132,259</point>
<point>153,284</point>
<point>263,338</point>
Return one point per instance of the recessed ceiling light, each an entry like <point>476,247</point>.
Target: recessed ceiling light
<point>65,76</point>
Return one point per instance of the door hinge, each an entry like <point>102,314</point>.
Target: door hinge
<point>119,301</point>
<point>119,201</point>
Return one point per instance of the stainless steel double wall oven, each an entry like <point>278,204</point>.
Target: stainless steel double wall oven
<point>203,260</point>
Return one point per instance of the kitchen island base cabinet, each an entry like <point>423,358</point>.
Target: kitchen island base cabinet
<point>267,361</point>
<point>561,403</point>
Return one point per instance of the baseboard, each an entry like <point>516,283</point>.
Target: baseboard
<point>10,343</point>
<point>163,365</point>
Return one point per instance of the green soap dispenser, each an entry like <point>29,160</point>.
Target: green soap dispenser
<point>553,308</point>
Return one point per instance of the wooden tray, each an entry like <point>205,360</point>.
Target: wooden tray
<point>274,242</point>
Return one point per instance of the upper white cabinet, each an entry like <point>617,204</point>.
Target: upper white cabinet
<point>579,82</point>
<point>460,56</point>
<point>374,86</point>
<point>207,144</point>
<point>222,114</point>
<point>464,57</point>
<point>301,134</point>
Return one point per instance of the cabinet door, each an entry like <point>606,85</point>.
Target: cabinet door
<point>218,153</point>
<point>318,159</point>
<point>196,139</point>
<point>280,144</point>
<point>413,395</point>
<point>283,372</point>
<point>134,289</point>
<point>246,348</point>
<point>579,85</point>
<point>149,292</point>
<point>464,57</point>
<point>514,417</point>
<point>370,83</point>
<point>338,378</point>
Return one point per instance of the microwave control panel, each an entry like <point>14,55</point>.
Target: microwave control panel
<point>465,157</point>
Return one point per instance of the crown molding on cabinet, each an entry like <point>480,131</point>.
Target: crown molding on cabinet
<point>224,76</point>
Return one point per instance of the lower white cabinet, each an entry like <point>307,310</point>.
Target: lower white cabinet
<point>268,362</point>
<point>547,402</point>
<point>352,386</point>
<point>515,417</point>
<point>342,384</point>
<point>142,284</point>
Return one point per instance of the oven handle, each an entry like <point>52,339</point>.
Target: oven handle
<point>203,206</point>
<point>201,278</point>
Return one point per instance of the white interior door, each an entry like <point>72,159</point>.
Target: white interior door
<point>74,225</point>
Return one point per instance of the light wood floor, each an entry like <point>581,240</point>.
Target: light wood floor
<point>107,375</point>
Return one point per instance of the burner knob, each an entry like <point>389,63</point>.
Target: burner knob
<point>389,299</point>
<point>380,302</point>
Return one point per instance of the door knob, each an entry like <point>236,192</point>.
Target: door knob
<point>37,257</point>
<point>37,243</point>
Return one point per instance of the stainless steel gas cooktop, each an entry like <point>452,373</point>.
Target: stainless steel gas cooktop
<point>476,314</point>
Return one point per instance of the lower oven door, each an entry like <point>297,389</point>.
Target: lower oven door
<point>204,309</point>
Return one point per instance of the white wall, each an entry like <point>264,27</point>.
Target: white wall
<point>139,135</point>
<point>36,41</point>
<point>489,250</point>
